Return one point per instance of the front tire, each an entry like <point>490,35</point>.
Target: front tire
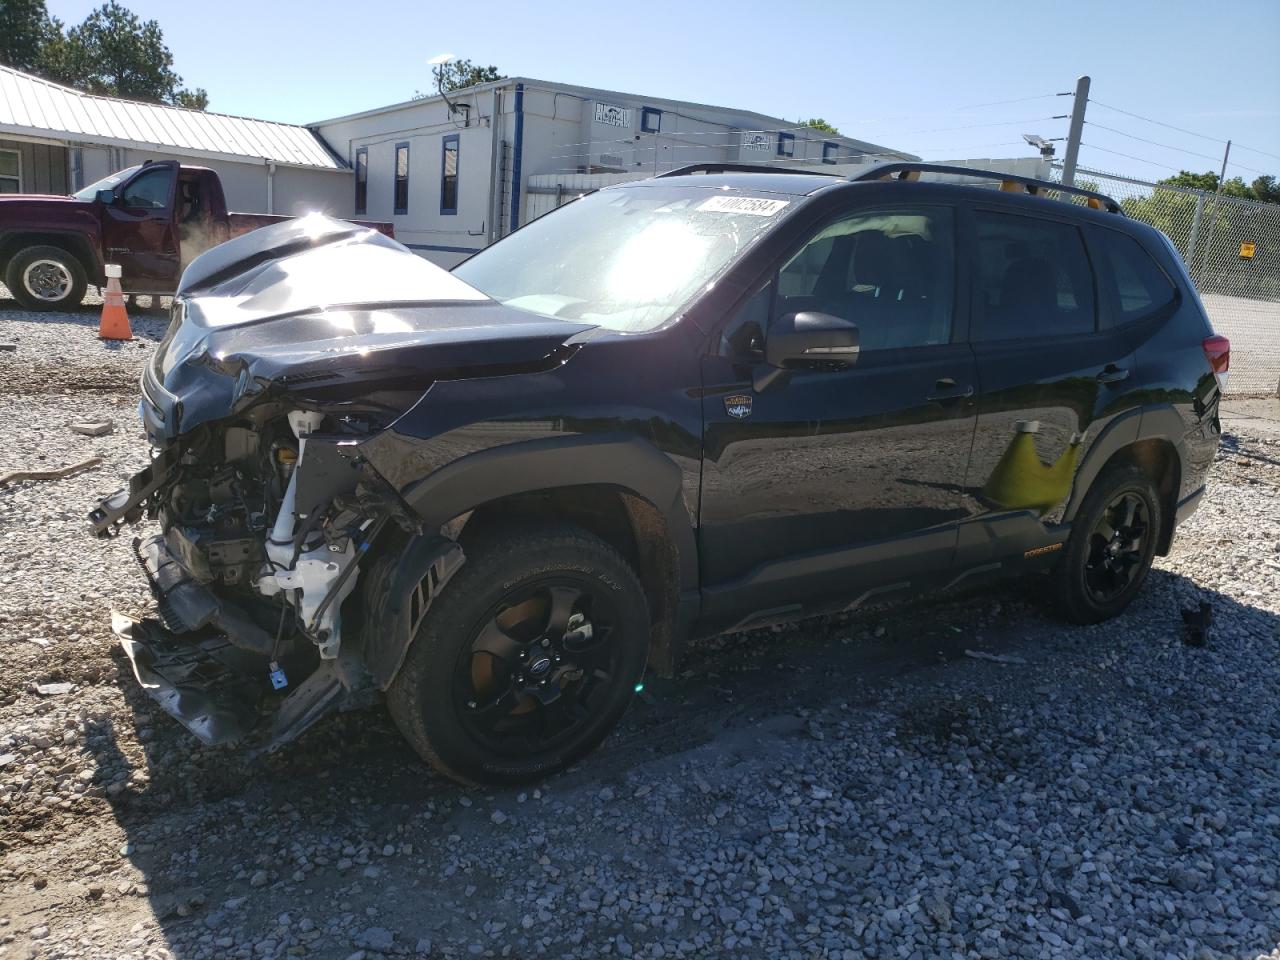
<point>527,659</point>
<point>46,278</point>
<point>1112,543</point>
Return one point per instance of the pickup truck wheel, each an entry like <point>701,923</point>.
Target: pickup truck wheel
<point>46,278</point>
<point>527,659</point>
<point>1112,543</point>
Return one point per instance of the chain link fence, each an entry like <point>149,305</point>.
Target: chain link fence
<point>1232,250</point>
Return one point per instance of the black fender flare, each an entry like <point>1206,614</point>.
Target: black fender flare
<point>398,591</point>
<point>1152,422</point>
<point>624,462</point>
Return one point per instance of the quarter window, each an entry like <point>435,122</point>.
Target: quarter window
<point>362,180</point>
<point>10,172</point>
<point>449,175</point>
<point>402,178</point>
<point>1141,287</point>
<point>891,272</point>
<point>1034,278</point>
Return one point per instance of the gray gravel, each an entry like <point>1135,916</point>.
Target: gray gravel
<point>847,788</point>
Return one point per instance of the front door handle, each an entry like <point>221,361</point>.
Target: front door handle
<point>946,389</point>
<point>1113,374</point>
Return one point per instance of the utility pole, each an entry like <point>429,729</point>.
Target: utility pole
<point>1213,216</point>
<point>1073,135</point>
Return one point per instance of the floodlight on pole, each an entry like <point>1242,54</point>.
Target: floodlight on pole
<point>1045,147</point>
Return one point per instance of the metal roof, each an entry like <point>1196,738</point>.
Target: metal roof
<point>32,106</point>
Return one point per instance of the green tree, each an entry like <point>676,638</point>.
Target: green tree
<point>112,52</point>
<point>25,30</point>
<point>1263,188</point>
<point>1266,189</point>
<point>819,124</point>
<point>457,74</point>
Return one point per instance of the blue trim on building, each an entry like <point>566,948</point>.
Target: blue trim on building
<point>395,177</point>
<point>516,157</point>
<point>444,152</point>
<point>442,249</point>
<point>362,153</point>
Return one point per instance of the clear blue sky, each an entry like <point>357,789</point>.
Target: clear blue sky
<point>900,74</point>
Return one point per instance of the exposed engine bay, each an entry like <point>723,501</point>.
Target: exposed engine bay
<point>254,563</point>
<point>277,481</point>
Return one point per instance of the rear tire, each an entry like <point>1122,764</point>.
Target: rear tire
<point>46,278</point>
<point>1112,543</point>
<point>527,659</point>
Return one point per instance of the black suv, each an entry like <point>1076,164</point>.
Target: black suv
<point>699,403</point>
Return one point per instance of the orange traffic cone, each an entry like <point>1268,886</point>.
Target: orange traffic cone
<point>115,322</point>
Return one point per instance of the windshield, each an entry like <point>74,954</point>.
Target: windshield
<point>106,183</point>
<point>624,259</point>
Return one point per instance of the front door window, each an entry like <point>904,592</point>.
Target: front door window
<point>892,273</point>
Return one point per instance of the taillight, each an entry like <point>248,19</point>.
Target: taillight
<point>1217,350</point>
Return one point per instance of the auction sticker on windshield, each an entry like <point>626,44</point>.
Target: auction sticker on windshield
<point>752,205</point>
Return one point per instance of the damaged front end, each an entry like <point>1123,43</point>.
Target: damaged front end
<point>284,358</point>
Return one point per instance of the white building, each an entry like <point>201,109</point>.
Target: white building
<point>56,140</point>
<point>454,174</point>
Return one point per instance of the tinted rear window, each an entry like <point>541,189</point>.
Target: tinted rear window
<point>1034,278</point>
<point>1140,286</point>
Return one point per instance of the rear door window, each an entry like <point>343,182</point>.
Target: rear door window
<point>1034,278</point>
<point>1140,287</point>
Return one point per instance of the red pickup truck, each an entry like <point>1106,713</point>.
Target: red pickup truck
<point>151,219</point>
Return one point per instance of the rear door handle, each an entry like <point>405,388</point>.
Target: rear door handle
<point>946,389</point>
<point>1113,374</point>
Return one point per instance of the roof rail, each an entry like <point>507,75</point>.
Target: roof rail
<point>908,170</point>
<point>736,168</point>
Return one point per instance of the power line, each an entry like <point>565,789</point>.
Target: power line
<point>948,110</point>
<point>1154,163</point>
<point>1192,133</point>
<point>1127,156</point>
<point>1166,146</point>
<point>1158,123</point>
<point>976,126</point>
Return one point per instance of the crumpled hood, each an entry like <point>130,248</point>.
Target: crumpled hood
<point>314,303</point>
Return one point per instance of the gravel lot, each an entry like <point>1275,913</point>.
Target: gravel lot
<point>844,789</point>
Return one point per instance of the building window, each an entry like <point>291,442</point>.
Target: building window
<point>449,175</point>
<point>786,145</point>
<point>402,178</point>
<point>829,151</point>
<point>10,172</point>
<point>651,120</point>
<point>362,180</point>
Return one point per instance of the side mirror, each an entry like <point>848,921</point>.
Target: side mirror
<point>107,197</point>
<point>810,337</point>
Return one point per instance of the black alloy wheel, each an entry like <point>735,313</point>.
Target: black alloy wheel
<point>1112,543</point>
<point>527,658</point>
<point>1117,547</point>
<point>537,667</point>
